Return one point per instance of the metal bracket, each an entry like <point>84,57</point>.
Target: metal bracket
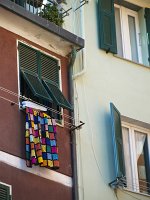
<point>82,2</point>
<point>118,182</point>
<point>77,127</point>
<point>64,14</point>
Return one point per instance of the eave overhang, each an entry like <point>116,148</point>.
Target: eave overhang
<point>59,38</point>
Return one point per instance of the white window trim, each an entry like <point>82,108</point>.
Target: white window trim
<point>36,106</point>
<point>124,12</point>
<point>133,181</point>
<point>10,187</point>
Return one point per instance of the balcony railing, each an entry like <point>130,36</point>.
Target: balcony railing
<point>51,10</point>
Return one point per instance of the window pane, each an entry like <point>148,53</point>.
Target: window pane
<point>133,39</point>
<point>118,32</point>
<point>127,157</point>
<point>140,140</point>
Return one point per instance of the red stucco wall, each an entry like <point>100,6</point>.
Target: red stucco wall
<point>26,186</point>
<point>12,120</point>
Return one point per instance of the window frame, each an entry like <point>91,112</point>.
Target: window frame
<point>58,122</point>
<point>126,46</point>
<point>9,189</point>
<point>133,181</point>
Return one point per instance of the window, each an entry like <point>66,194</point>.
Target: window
<point>39,78</point>
<point>124,30</point>
<point>136,150</point>
<point>5,192</point>
<point>128,34</point>
<point>132,153</point>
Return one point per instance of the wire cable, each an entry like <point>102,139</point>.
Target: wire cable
<point>25,98</point>
<point>67,124</point>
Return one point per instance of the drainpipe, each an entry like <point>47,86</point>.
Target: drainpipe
<point>73,136</point>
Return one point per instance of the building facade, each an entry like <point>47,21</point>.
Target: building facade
<point>35,57</point>
<point>111,95</point>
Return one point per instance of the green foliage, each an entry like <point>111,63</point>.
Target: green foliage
<point>52,13</point>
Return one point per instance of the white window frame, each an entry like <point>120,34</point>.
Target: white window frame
<point>126,46</point>
<point>36,106</point>
<point>133,181</point>
<point>10,187</point>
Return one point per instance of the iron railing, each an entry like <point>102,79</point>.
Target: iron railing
<point>39,7</point>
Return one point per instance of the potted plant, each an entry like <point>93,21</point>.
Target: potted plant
<point>53,13</point>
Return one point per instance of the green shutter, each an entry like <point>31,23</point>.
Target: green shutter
<point>28,58</point>
<point>36,85</point>
<point>56,94</point>
<point>49,68</point>
<point>117,141</point>
<point>4,192</point>
<point>147,17</point>
<point>107,32</point>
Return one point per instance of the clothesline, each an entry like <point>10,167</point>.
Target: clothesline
<point>67,124</point>
<point>25,98</point>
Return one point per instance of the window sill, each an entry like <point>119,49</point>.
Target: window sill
<point>140,64</point>
<point>30,104</point>
<point>136,193</point>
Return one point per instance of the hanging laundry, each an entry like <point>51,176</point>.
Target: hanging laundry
<point>40,136</point>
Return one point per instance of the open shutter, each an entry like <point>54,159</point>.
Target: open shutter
<point>147,17</point>
<point>4,192</point>
<point>57,95</point>
<point>29,61</point>
<point>107,30</point>
<point>50,77</point>
<point>36,85</point>
<point>117,141</point>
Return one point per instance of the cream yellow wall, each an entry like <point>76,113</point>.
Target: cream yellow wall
<point>105,79</point>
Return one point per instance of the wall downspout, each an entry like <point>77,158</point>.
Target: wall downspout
<point>73,136</point>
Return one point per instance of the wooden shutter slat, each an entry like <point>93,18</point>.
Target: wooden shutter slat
<point>28,58</point>
<point>4,192</point>
<point>117,141</point>
<point>57,95</point>
<point>107,30</point>
<point>49,68</point>
<point>36,86</point>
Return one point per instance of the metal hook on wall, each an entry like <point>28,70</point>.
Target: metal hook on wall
<point>82,2</point>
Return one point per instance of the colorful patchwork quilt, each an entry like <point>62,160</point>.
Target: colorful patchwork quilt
<point>41,144</point>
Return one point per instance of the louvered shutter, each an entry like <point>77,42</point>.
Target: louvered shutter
<point>50,77</point>
<point>29,61</point>
<point>28,58</point>
<point>50,68</point>
<point>4,192</point>
<point>57,95</point>
<point>36,86</point>
<point>147,18</point>
<point>107,30</point>
<point>117,141</point>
